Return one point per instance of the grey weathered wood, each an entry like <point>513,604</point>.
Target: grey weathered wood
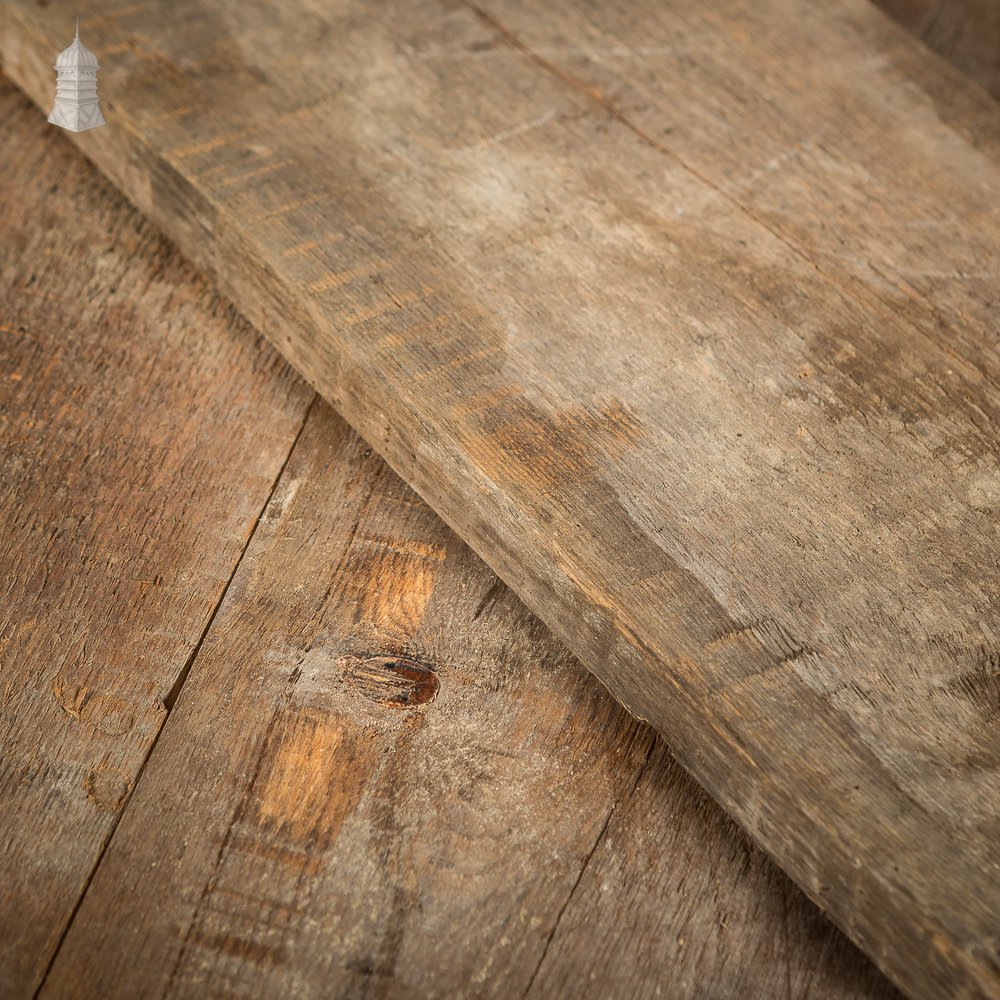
<point>315,823</point>
<point>130,480</point>
<point>684,318</point>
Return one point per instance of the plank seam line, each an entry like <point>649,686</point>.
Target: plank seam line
<point>586,861</point>
<point>355,528</point>
<point>171,699</point>
<point>848,291</point>
<point>241,806</point>
<point>174,693</point>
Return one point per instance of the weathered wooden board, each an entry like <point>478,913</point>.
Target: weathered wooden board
<point>491,806</point>
<point>683,315</point>
<point>384,779</point>
<point>130,480</point>
<point>967,32</point>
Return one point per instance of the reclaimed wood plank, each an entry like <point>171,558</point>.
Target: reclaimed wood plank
<point>125,509</point>
<point>617,926</point>
<point>384,778</point>
<point>682,316</point>
<point>966,32</point>
<point>516,797</point>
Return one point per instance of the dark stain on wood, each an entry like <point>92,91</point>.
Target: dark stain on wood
<point>393,681</point>
<point>981,685</point>
<point>966,32</point>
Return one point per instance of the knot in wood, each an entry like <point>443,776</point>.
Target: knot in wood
<point>393,681</point>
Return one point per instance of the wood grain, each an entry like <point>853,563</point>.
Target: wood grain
<point>383,778</point>
<point>967,32</point>
<point>315,814</point>
<point>130,480</point>
<point>683,316</point>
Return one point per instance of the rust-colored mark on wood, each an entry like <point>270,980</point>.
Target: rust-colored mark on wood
<point>306,247</point>
<point>338,279</point>
<point>560,448</point>
<point>313,771</point>
<point>396,582</point>
<point>245,949</point>
<point>394,681</point>
<point>106,787</point>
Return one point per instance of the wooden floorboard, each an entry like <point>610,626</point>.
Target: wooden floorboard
<point>130,481</point>
<point>312,820</point>
<point>684,317</point>
<point>383,778</point>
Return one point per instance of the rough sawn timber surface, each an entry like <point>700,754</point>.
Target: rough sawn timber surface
<point>130,481</point>
<point>309,814</point>
<point>385,779</point>
<point>684,317</point>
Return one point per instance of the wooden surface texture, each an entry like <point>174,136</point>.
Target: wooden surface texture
<point>360,768</point>
<point>967,32</point>
<point>684,317</point>
<point>130,481</point>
